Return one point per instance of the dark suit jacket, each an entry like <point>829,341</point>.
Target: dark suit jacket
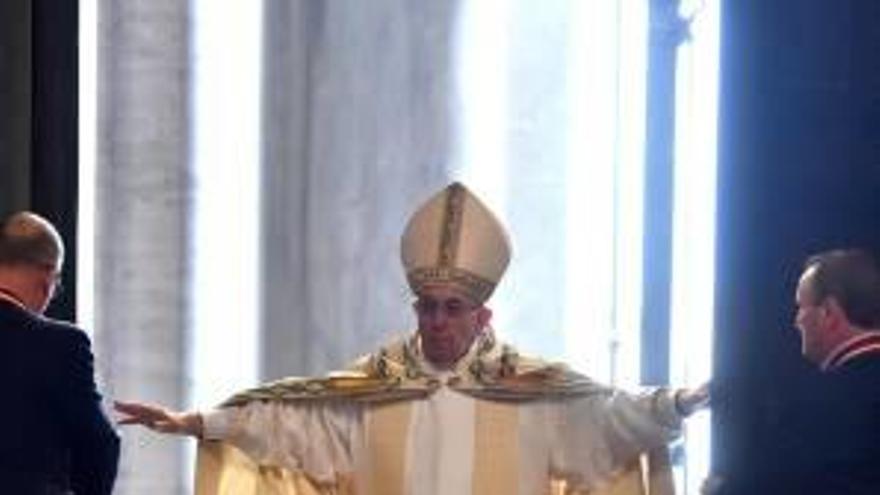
<point>828,443</point>
<point>55,435</point>
<point>845,449</point>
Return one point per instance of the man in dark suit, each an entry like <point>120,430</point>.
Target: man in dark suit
<point>828,440</point>
<point>838,316</point>
<point>56,438</point>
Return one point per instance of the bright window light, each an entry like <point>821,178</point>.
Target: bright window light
<point>226,53</point>
<point>604,188</point>
<point>602,180</point>
<point>589,188</point>
<point>629,193</point>
<point>693,264</point>
<point>577,102</point>
<point>482,110</point>
<point>88,122</point>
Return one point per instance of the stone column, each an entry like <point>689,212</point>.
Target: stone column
<point>142,301</point>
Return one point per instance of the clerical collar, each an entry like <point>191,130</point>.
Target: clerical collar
<point>856,346</point>
<point>8,295</point>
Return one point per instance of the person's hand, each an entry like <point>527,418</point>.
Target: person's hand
<point>159,419</point>
<point>690,400</point>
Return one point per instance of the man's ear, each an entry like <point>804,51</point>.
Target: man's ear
<point>835,311</point>
<point>484,316</point>
<point>37,289</point>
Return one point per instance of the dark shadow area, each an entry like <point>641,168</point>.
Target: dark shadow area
<point>39,132</point>
<point>799,173</point>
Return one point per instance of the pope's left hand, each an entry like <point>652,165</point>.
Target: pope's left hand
<point>690,400</point>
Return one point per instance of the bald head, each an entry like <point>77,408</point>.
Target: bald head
<point>31,255</point>
<point>29,239</point>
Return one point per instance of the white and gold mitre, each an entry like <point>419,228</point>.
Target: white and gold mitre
<point>454,239</point>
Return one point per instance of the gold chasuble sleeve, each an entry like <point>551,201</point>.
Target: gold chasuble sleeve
<point>222,469</point>
<point>651,474</point>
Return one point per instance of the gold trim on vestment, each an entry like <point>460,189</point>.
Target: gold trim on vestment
<point>496,445</point>
<point>350,386</point>
<point>496,372</point>
<point>387,428</point>
<point>473,286</point>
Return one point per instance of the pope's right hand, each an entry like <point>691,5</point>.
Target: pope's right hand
<point>158,418</point>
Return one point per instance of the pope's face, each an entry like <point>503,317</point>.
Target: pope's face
<point>448,324</point>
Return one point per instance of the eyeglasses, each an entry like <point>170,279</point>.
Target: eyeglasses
<point>452,308</point>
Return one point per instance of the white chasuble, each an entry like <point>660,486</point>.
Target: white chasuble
<point>437,434</point>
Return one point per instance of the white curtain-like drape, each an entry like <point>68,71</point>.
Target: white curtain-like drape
<point>356,129</point>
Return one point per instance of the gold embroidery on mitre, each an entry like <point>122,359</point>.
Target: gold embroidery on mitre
<point>474,286</point>
<point>451,225</point>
